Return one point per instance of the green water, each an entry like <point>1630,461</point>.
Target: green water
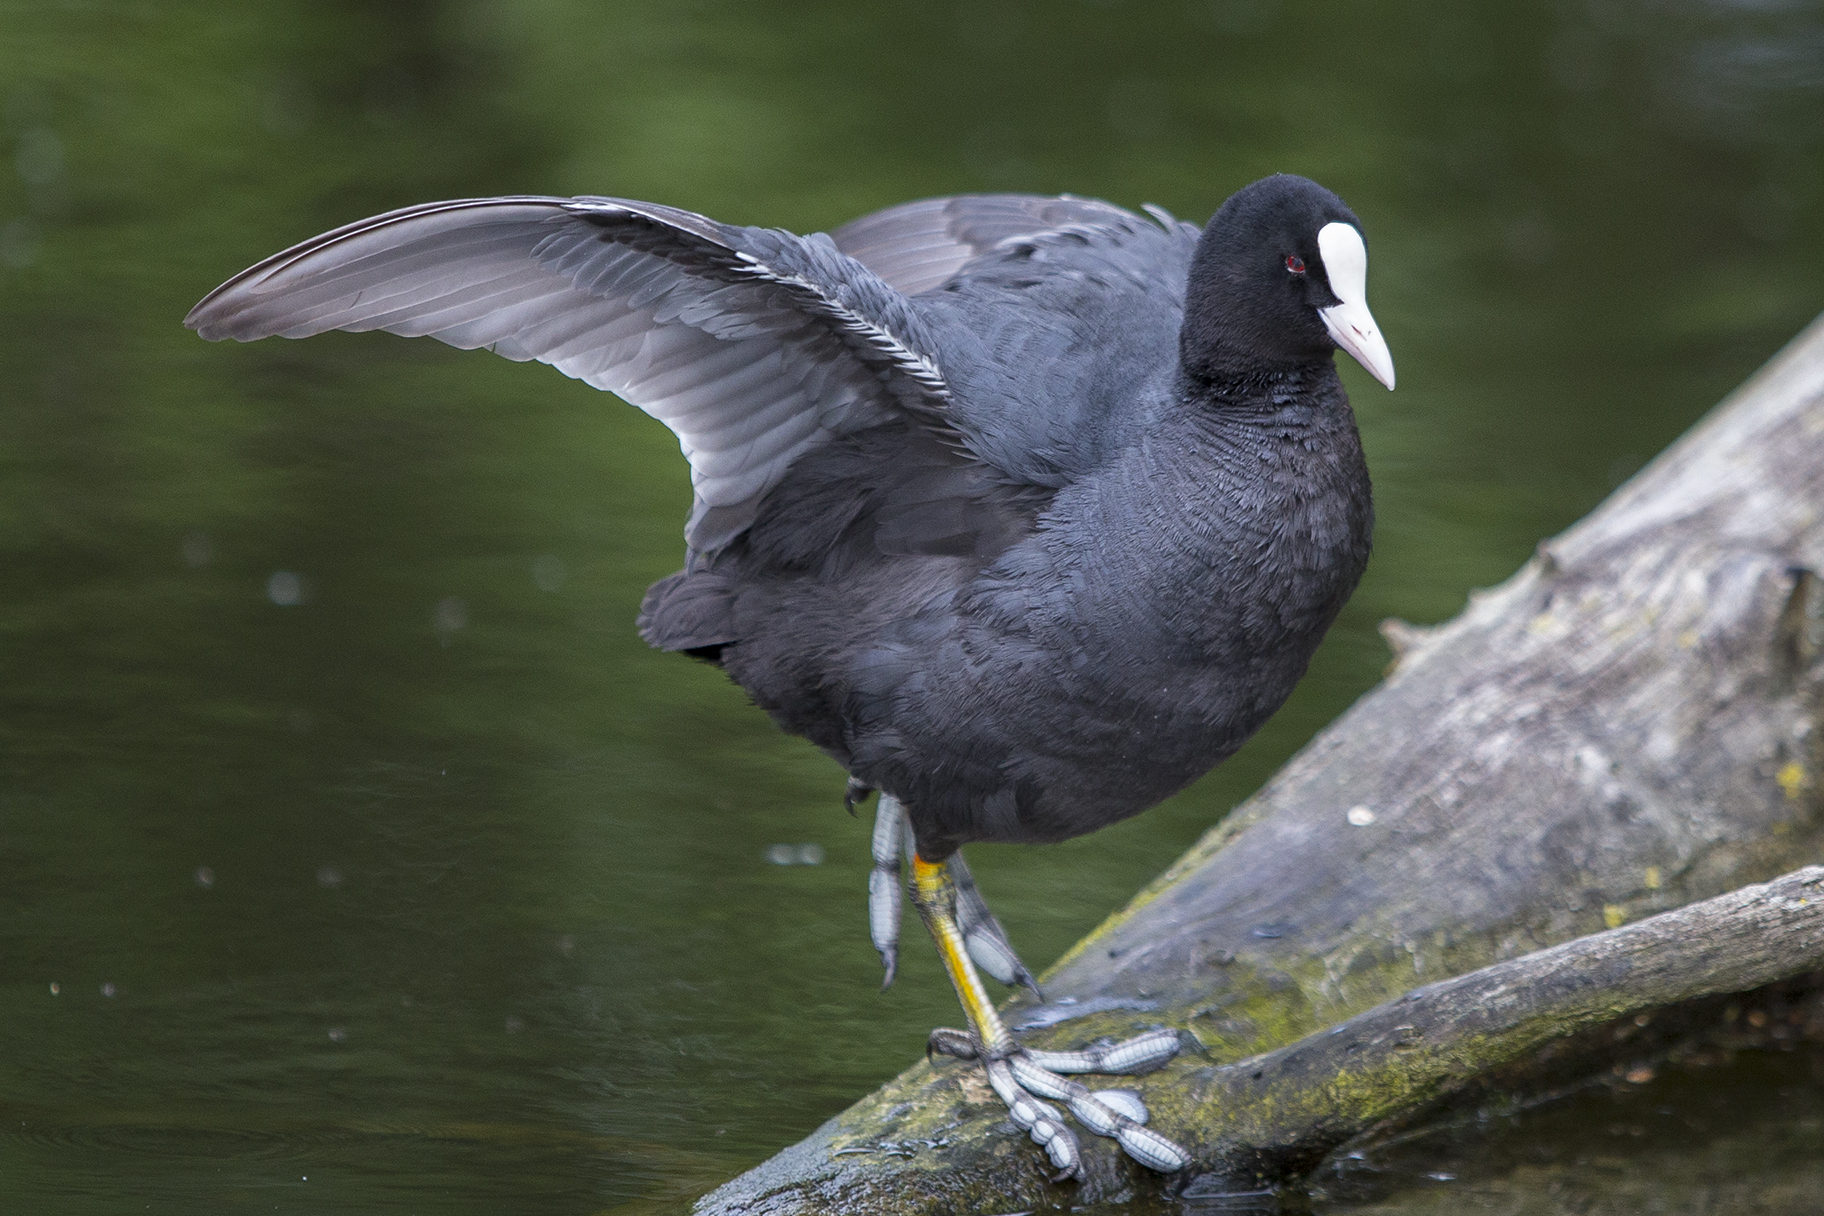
<point>435,891</point>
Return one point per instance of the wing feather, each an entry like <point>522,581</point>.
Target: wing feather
<point>752,345</point>
<point>920,246</point>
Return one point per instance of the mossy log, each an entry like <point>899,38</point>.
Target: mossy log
<point>1623,728</point>
<point>1284,1111</point>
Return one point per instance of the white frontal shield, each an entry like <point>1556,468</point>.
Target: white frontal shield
<point>1350,323</point>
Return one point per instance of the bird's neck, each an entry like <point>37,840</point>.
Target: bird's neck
<point>1266,478</point>
<point>1262,392</point>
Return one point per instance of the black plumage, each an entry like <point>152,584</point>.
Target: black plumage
<point>1026,510</point>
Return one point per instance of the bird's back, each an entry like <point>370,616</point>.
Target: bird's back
<point>1055,341</point>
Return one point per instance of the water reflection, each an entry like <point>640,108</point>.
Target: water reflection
<point>362,608</point>
<point>1721,1130</point>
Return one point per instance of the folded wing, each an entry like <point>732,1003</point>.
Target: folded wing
<point>752,345</point>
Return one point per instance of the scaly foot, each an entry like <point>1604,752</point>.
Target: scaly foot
<point>968,936</point>
<point>1023,1077</point>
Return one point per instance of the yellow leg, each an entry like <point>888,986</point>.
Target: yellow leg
<point>1020,1078</point>
<point>934,895</point>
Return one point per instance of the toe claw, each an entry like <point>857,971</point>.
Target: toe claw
<point>1061,1146</point>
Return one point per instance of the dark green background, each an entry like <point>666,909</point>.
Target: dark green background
<point>490,925</point>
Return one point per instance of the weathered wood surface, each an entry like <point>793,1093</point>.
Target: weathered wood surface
<point>1284,1111</point>
<point>1623,727</point>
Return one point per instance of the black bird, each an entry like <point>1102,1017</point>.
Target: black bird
<point>1026,510</point>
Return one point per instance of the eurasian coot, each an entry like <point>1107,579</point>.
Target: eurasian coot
<point>1026,510</point>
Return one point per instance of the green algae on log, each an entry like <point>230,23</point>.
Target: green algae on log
<point>1277,1115</point>
<point>1626,726</point>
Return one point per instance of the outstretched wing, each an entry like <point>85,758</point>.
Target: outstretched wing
<point>752,345</point>
<point>919,246</point>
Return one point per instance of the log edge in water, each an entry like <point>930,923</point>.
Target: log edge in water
<point>1282,1112</point>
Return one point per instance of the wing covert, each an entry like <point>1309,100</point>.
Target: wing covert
<point>922,245</point>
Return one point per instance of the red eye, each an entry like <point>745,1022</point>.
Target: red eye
<point>1295,264</point>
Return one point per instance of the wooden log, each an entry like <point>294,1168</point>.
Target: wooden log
<point>1283,1112</point>
<point>1624,727</point>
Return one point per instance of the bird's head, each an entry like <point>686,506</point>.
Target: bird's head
<point>1280,277</point>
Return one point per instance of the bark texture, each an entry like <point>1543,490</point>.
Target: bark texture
<point>1624,727</point>
<point>1284,1111</point>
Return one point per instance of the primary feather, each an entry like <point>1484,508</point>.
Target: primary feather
<point>752,346</point>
